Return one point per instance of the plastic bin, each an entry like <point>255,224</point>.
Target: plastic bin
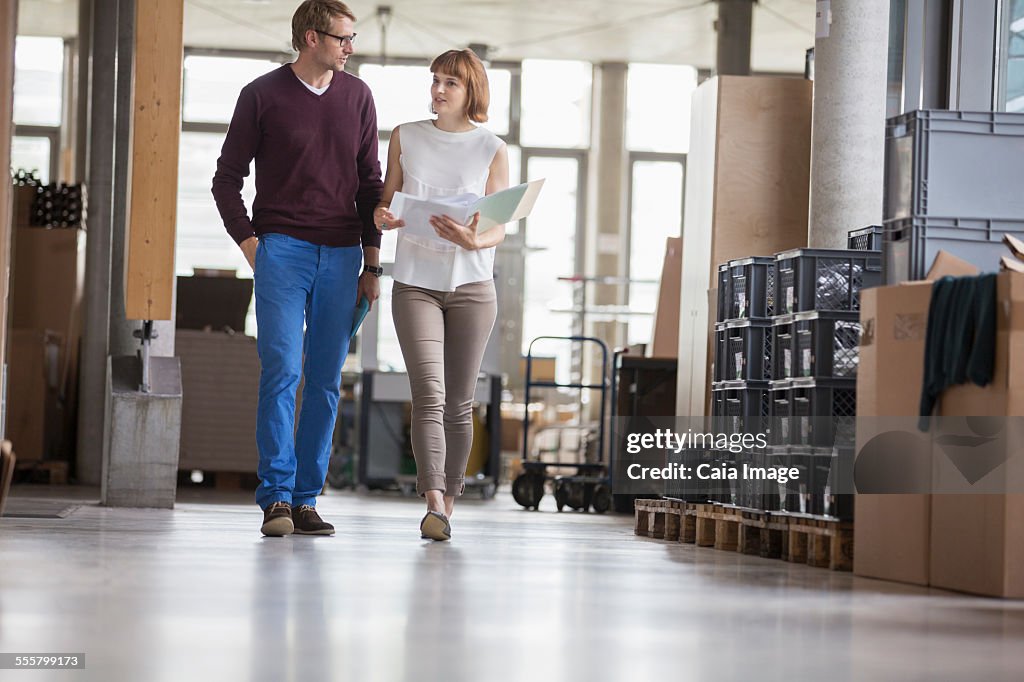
<point>752,287</point>
<point>911,245</point>
<point>721,353</point>
<point>724,301</point>
<point>813,411</point>
<point>954,164</point>
<point>865,239</point>
<point>740,406</point>
<point>782,347</point>
<point>824,279</point>
<point>826,344</point>
<point>839,477</point>
<point>748,351</point>
<point>778,496</point>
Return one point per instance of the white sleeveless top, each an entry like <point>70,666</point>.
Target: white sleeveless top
<point>436,163</point>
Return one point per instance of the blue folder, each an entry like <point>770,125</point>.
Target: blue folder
<point>362,308</point>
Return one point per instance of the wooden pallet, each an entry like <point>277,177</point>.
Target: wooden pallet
<point>819,542</point>
<point>41,472</point>
<point>824,543</point>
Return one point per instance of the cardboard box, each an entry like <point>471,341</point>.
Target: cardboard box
<point>47,281</point>
<point>665,338</point>
<point>220,377</point>
<point>33,418</point>
<point>977,540</point>
<point>946,264</point>
<point>891,532</point>
<point>541,368</point>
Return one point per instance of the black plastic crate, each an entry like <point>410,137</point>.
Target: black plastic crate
<point>826,344</point>
<point>865,239</point>
<point>837,496</point>
<point>911,245</point>
<point>778,496</point>
<point>824,279</point>
<point>782,347</point>
<point>954,163</point>
<point>747,351</point>
<point>813,411</point>
<point>752,287</point>
<point>740,406</point>
<point>724,301</point>
<point>721,353</point>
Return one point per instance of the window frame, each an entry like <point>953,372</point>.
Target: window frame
<point>51,133</point>
<point>635,157</point>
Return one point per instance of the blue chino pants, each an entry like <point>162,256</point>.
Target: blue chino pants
<point>305,300</point>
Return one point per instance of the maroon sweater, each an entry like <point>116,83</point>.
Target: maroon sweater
<point>317,172</point>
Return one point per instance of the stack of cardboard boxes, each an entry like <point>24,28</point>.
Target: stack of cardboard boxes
<point>47,273</point>
<point>964,542</point>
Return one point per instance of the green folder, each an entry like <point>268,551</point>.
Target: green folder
<point>362,308</point>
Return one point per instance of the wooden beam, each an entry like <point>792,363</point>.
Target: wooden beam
<point>153,183</point>
<point>8,31</point>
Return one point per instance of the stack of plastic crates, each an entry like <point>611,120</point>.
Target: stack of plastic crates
<point>743,370</point>
<point>815,350</point>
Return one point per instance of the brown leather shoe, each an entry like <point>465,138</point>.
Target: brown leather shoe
<point>277,520</point>
<point>308,522</point>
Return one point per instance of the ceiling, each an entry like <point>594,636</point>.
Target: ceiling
<point>659,31</point>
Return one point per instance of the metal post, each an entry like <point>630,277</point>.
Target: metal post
<point>96,328</point>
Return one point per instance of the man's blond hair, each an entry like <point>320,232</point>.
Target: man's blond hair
<point>316,15</point>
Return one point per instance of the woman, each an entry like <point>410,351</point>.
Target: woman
<point>443,320</point>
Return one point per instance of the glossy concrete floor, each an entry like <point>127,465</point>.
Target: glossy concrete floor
<point>197,594</point>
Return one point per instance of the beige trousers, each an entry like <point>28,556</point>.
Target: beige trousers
<point>443,335</point>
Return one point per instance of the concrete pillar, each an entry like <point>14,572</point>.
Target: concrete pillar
<point>848,133</point>
<point>143,433</point>
<point>606,245</point>
<point>735,18</point>
<point>84,47</point>
<point>92,414</point>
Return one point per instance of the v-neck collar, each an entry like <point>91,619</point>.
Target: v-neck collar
<point>302,84</point>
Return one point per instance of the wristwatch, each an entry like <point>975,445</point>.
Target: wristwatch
<point>373,270</point>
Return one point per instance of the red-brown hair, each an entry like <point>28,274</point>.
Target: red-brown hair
<point>467,67</point>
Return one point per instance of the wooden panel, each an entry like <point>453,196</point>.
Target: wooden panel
<point>8,29</point>
<point>762,181</point>
<point>700,197</point>
<point>156,122</point>
<point>747,187</point>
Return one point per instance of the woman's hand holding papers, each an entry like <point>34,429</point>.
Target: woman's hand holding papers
<point>461,235</point>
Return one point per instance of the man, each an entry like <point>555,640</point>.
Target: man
<point>312,129</point>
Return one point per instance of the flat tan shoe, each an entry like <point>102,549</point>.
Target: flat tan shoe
<point>435,526</point>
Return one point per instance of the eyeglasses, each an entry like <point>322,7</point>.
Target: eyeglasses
<point>342,40</point>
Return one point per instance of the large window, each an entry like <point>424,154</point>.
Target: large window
<point>658,137</point>
<point>1014,50</point>
<point>212,85</point>
<point>656,213</point>
<point>38,105</point>
<point>556,103</point>
<point>551,235</point>
<point>210,90</point>
<point>658,107</point>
